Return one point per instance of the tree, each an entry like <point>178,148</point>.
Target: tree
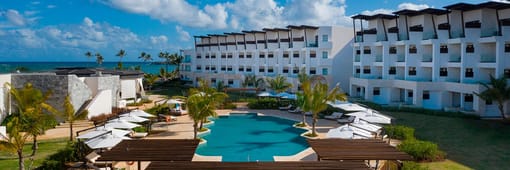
<point>69,115</point>
<point>221,86</point>
<point>496,90</point>
<point>120,54</point>
<point>145,57</point>
<point>302,77</point>
<point>150,79</point>
<point>166,59</point>
<point>279,84</point>
<point>315,98</point>
<point>202,103</point>
<point>16,140</point>
<point>89,55</point>
<point>99,59</point>
<point>176,59</point>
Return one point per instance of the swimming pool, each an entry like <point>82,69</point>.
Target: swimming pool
<point>250,138</point>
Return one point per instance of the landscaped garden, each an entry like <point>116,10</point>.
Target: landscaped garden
<point>46,148</point>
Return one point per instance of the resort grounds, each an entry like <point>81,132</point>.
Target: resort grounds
<point>469,143</point>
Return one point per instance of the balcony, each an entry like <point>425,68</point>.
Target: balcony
<point>416,28</point>
<point>490,33</point>
<point>443,26</point>
<point>454,59</point>
<point>401,58</point>
<point>426,58</point>
<point>313,44</point>
<point>473,24</point>
<point>378,58</point>
<point>487,59</point>
<point>357,58</point>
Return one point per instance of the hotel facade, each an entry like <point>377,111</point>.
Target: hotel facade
<point>432,58</point>
<point>229,57</point>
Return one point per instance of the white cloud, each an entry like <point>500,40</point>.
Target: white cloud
<point>158,39</point>
<point>412,6</point>
<point>183,35</point>
<point>51,6</point>
<point>378,11</point>
<point>88,22</point>
<point>15,17</point>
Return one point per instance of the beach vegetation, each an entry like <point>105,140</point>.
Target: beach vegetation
<point>99,59</point>
<point>202,102</point>
<point>496,90</point>
<point>253,81</point>
<point>278,84</point>
<point>149,80</point>
<point>70,116</point>
<point>121,55</point>
<point>399,132</point>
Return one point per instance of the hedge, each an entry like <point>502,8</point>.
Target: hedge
<point>422,150</point>
<point>399,132</point>
<point>263,103</point>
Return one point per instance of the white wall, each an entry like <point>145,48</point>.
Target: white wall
<point>100,104</point>
<point>128,88</point>
<point>4,93</point>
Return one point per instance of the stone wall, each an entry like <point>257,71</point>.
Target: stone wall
<point>110,82</point>
<point>78,91</point>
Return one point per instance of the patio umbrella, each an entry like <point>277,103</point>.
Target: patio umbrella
<point>141,113</point>
<point>265,94</point>
<point>131,118</point>
<point>372,116</point>
<point>173,101</point>
<point>348,132</point>
<point>104,141</point>
<point>103,130</point>
<point>349,107</point>
<point>282,94</point>
<point>366,126</point>
<point>120,124</point>
<point>290,96</point>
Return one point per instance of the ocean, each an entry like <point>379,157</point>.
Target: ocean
<point>10,67</point>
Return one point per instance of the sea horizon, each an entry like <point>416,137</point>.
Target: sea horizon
<point>48,66</point>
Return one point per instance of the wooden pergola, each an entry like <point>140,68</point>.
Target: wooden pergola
<point>356,149</point>
<point>355,165</point>
<point>152,150</point>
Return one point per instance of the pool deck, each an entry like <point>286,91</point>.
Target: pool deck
<point>182,129</point>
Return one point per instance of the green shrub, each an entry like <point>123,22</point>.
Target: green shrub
<point>140,129</point>
<point>229,106</point>
<point>422,150</point>
<point>263,103</point>
<point>399,132</point>
<point>410,165</point>
<point>203,129</point>
<point>71,153</point>
<point>159,109</point>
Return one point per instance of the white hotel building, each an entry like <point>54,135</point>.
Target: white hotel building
<point>229,57</point>
<point>432,58</point>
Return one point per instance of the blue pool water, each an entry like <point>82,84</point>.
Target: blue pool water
<point>249,138</point>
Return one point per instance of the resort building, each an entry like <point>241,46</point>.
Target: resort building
<point>432,58</point>
<point>229,57</point>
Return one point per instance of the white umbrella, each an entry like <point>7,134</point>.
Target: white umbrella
<point>265,94</point>
<point>290,96</point>
<point>372,116</point>
<point>104,141</point>
<point>120,124</point>
<point>366,126</point>
<point>132,118</point>
<point>282,94</point>
<point>173,101</point>
<point>350,107</point>
<point>141,113</point>
<point>103,130</point>
<point>348,132</point>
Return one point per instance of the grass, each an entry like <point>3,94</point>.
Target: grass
<point>447,164</point>
<point>477,144</point>
<point>46,148</point>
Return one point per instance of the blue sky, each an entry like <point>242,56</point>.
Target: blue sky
<point>63,30</point>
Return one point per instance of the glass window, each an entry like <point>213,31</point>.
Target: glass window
<point>285,70</point>
<point>469,72</point>
<point>324,54</point>
<point>443,49</point>
<point>325,38</point>
<point>426,95</point>
<point>325,71</point>
<point>412,71</point>
<point>199,67</point>
<point>413,49</point>
<point>392,71</point>
<point>376,91</point>
<point>393,50</point>
<point>470,48</point>
<point>443,72</point>
<point>285,55</point>
<point>507,47</point>
<point>241,68</point>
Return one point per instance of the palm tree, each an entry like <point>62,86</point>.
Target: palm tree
<point>120,54</point>
<point>278,84</point>
<point>69,115</point>
<point>99,59</point>
<point>16,140</point>
<point>89,55</point>
<point>145,57</point>
<point>150,79</point>
<point>498,90</point>
<point>176,59</point>
<point>315,98</point>
<point>221,86</point>
<point>302,77</point>
<point>166,57</point>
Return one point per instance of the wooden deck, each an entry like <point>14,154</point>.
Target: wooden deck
<point>356,149</point>
<point>325,165</point>
<point>152,150</point>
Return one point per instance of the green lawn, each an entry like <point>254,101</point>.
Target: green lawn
<point>447,164</point>
<point>46,148</point>
<point>477,144</point>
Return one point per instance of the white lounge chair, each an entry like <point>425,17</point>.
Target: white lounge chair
<point>297,110</point>
<point>285,107</point>
<point>308,114</point>
<point>334,116</point>
<point>350,119</point>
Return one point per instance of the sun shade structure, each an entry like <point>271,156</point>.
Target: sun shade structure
<point>349,107</point>
<point>362,149</point>
<point>105,141</point>
<point>355,165</point>
<point>131,118</point>
<point>120,124</point>
<point>152,150</point>
<point>348,132</point>
<point>103,130</point>
<point>371,116</point>
<point>140,113</point>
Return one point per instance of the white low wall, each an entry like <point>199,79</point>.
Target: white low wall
<point>100,104</point>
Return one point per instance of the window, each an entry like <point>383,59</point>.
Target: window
<point>325,38</point>
<point>213,56</point>
<point>270,70</point>
<point>410,94</point>
<point>295,70</point>
<point>358,70</point>
<point>392,71</point>
<point>325,71</point>
<point>313,55</point>
<point>393,50</point>
<point>262,69</point>
<point>324,54</point>
<point>248,69</point>
<point>412,49</point>
<point>229,56</point>
<point>241,55</point>
<point>213,68</point>
<point>248,56</point>
<point>376,91</point>
<point>285,55</point>
<point>470,48</point>
<point>443,49</point>
<point>367,50</point>
<point>206,56</point>
<point>270,56</point>
<point>241,68</point>
<point>469,72</point>
<point>507,73</point>
<point>366,70</point>
<point>443,72</point>
<point>199,56</point>
<point>358,52</point>
<point>199,67</point>
<point>262,55</point>
<point>207,68</point>
<point>312,71</point>
<point>426,95</point>
<point>229,68</point>
<point>230,82</point>
<point>223,68</point>
<point>412,71</point>
<point>468,98</point>
<point>507,47</point>
<point>488,102</point>
<point>213,80</point>
<point>285,70</point>
<point>295,55</point>
<point>223,56</point>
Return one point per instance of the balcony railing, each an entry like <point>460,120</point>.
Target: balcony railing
<point>426,58</point>
<point>401,58</point>
<point>357,58</point>
<point>487,59</point>
<point>378,58</point>
<point>490,34</point>
<point>454,59</point>
<point>313,44</point>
